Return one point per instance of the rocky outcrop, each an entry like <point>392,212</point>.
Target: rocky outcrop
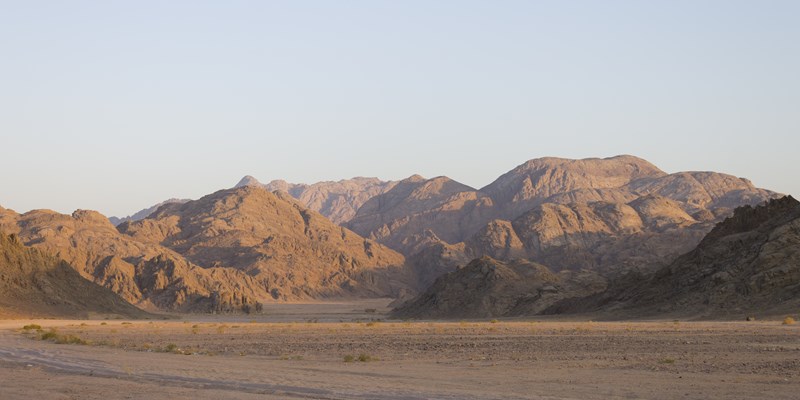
<point>143,273</point>
<point>34,283</point>
<point>290,251</point>
<point>488,288</point>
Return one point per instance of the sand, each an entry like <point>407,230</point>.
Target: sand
<point>299,350</point>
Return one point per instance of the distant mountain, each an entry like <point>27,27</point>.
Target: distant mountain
<point>490,288</point>
<point>561,180</point>
<point>144,213</point>
<point>34,283</point>
<point>748,264</point>
<point>145,274</point>
<point>290,251</point>
<point>337,201</point>
<point>415,205</point>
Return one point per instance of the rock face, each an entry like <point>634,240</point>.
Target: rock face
<point>34,283</point>
<point>288,250</point>
<point>337,201</point>
<point>748,264</point>
<point>144,274</point>
<point>142,214</point>
<point>489,288</point>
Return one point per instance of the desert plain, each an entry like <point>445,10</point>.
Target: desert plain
<point>349,350</point>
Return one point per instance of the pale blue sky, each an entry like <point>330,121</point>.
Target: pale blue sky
<point>116,105</point>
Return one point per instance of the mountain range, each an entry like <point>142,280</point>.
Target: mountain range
<point>588,222</point>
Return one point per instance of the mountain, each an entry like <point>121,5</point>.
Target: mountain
<point>488,288</point>
<point>749,264</point>
<point>455,212</point>
<point>34,283</point>
<point>611,215</point>
<point>288,250</point>
<point>415,205</point>
<point>142,214</point>
<point>590,179</point>
<point>337,201</point>
<point>603,236</point>
<point>145,274</point>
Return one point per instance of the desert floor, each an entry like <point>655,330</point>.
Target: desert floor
<point>299,351</point>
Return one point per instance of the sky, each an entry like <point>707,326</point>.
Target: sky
<point>117,105</point>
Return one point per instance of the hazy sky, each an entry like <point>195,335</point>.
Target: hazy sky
<point>116,105</point>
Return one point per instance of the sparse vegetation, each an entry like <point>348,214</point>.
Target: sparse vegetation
<point>788,321</point>
<point>363,357</point>
<point>667,361</point>
<point>53,336</point>
<point>32,327</point>
<point>49,335</point>
<point>494,321</point>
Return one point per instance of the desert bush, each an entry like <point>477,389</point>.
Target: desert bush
<point>69,339</point>
<point>494,321</point>
<point>788,321</point>
<point>49,335</point>
<point>363,357</point>
<point>667,361</point>
<point>55,337</point>
<point>349,358</point>
<point>32,326</point>
<point>171,347</point>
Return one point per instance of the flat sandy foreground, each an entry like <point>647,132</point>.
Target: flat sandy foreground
<point>299,351</point>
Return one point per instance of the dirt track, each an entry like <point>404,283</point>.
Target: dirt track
<point>242,358</point>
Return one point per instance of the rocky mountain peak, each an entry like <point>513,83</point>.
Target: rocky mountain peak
<point>248,180</point>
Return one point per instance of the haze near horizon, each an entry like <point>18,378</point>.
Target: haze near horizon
<point>117,106</point>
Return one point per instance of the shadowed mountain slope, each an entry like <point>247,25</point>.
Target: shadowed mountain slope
<point>36,284</point>
<point>142,273</point>
<point>490,288</point>
<point>748,264</point>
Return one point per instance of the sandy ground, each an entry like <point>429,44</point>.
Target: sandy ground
<point>299,350</point>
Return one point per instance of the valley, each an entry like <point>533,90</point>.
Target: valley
<point>301,351</point>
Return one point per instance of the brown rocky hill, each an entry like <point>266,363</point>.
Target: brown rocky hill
<point>456,212</point>
<point>142,214</point>
<point>748,264</point>
<point>603,236</point>
<point>338,201</point>
<point>533,182</point>
<point>34,283</point>
<point>611,215</point>
<point>488,288</point>
<point>142,273</point>
<point>399,217</point>
<point>290,251</point>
